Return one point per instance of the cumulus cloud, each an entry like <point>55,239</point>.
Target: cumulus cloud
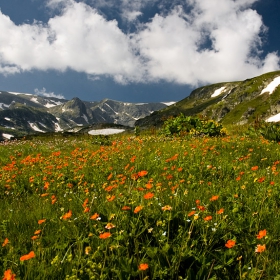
<point>43,92</point>
<point>193,43</point>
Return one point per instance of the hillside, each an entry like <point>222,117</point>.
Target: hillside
<point>228,102</point>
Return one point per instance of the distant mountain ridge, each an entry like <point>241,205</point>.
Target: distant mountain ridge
<point>238,102</point>
<point>25,113</point>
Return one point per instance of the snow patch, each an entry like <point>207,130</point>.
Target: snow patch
<point>85,117</point>
<point>275,118</point>
<point>7,119</point>
<point>218,91</point>
<point>34,99</point>
<point>168,103</point>
<point>272,86</point>
<point>34,127</point>
<point>7,136</point>
<point>16,93</point>
<point>57,127</point>
<point>3,105</point>
<point>105,131</point>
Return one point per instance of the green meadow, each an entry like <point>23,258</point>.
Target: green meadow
<point>140,207</point>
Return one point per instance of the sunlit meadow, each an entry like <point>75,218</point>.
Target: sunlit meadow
<point>146,207</point>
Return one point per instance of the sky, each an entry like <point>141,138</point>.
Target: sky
<point>134,50</point>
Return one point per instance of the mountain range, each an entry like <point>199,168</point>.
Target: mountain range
<point>23,113</point>
<point>240,102</point>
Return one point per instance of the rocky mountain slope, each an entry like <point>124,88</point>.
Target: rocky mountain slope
<point>228,102</point>
<point>26,113</point>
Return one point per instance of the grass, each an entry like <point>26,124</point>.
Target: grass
<point>146,207</point>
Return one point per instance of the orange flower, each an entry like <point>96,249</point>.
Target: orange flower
<point>214,197</point>
<point>126,208</point>
<point>94,216</point>
<point>105,235</point>
<point>208,218</point>
<point>254,168</point>
<point>37,231</point>
<point>143,266</point>
<point>230,243</point>
<point>149,186</point>
<point>110,225</point>
<point>260,248</point>
<point>148,195</point>
<point>111,198</point>
<point>201,208</point>
<point>221,211</point>
<point>86,209</point>
<point>142,173</point>
<point>44,194</point>
<point>166,208</point>
<point>41,221</point>
<point>262,233</point>
<point>85,203</point>
<point>34,237</point>
<point>6,241</point>
<point>67,215</point>
<point>138,209</point>
<point>191,213</point>
<point>260,180</point>
<point>110,176</point>
<point>28,256</point>
<point>8,275</point>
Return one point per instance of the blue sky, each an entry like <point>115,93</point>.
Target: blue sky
<point>134,50</point>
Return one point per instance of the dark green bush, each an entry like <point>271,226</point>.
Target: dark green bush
<point>182,125</point>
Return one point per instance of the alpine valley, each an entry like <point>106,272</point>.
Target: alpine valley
<point>240,102</point>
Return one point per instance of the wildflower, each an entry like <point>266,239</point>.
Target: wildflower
<point>28,256</point>
<point>230,243</point>
<point>148,195</point>
<point>6,241</point>
<point>260,248</point>
<point>138,209</point>
<point>105,235</point>
<point>214,197</point>
<point>110,225</point>
<point>260,180</point>
<point>254,168</point>
<point>166,208</point>
<point>37,231</point>
<point>94,216</point>
<point>221,211</point>
<point>142,173</point>
<point>191,213</point>
<point>8,275</point>
<point>111,198</point>
<point>143,266</point>
<point>126,208</point>
<point>34,237</point>
<point>41,221</point>
<point>208,218</point>
<point>262,233</point>
<point>67,215</point>
<point>85,203</point>
<point>44,194</point>
<point>87,250</point>
<point>201,208</point>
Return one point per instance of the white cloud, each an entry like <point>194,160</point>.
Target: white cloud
<point>43,92</point>
<point>205,45</point>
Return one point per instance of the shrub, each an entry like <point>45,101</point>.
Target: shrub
<point>192,125</point>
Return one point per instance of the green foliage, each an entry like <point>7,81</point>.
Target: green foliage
<point>192,125</point>
<point>270,131</point>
